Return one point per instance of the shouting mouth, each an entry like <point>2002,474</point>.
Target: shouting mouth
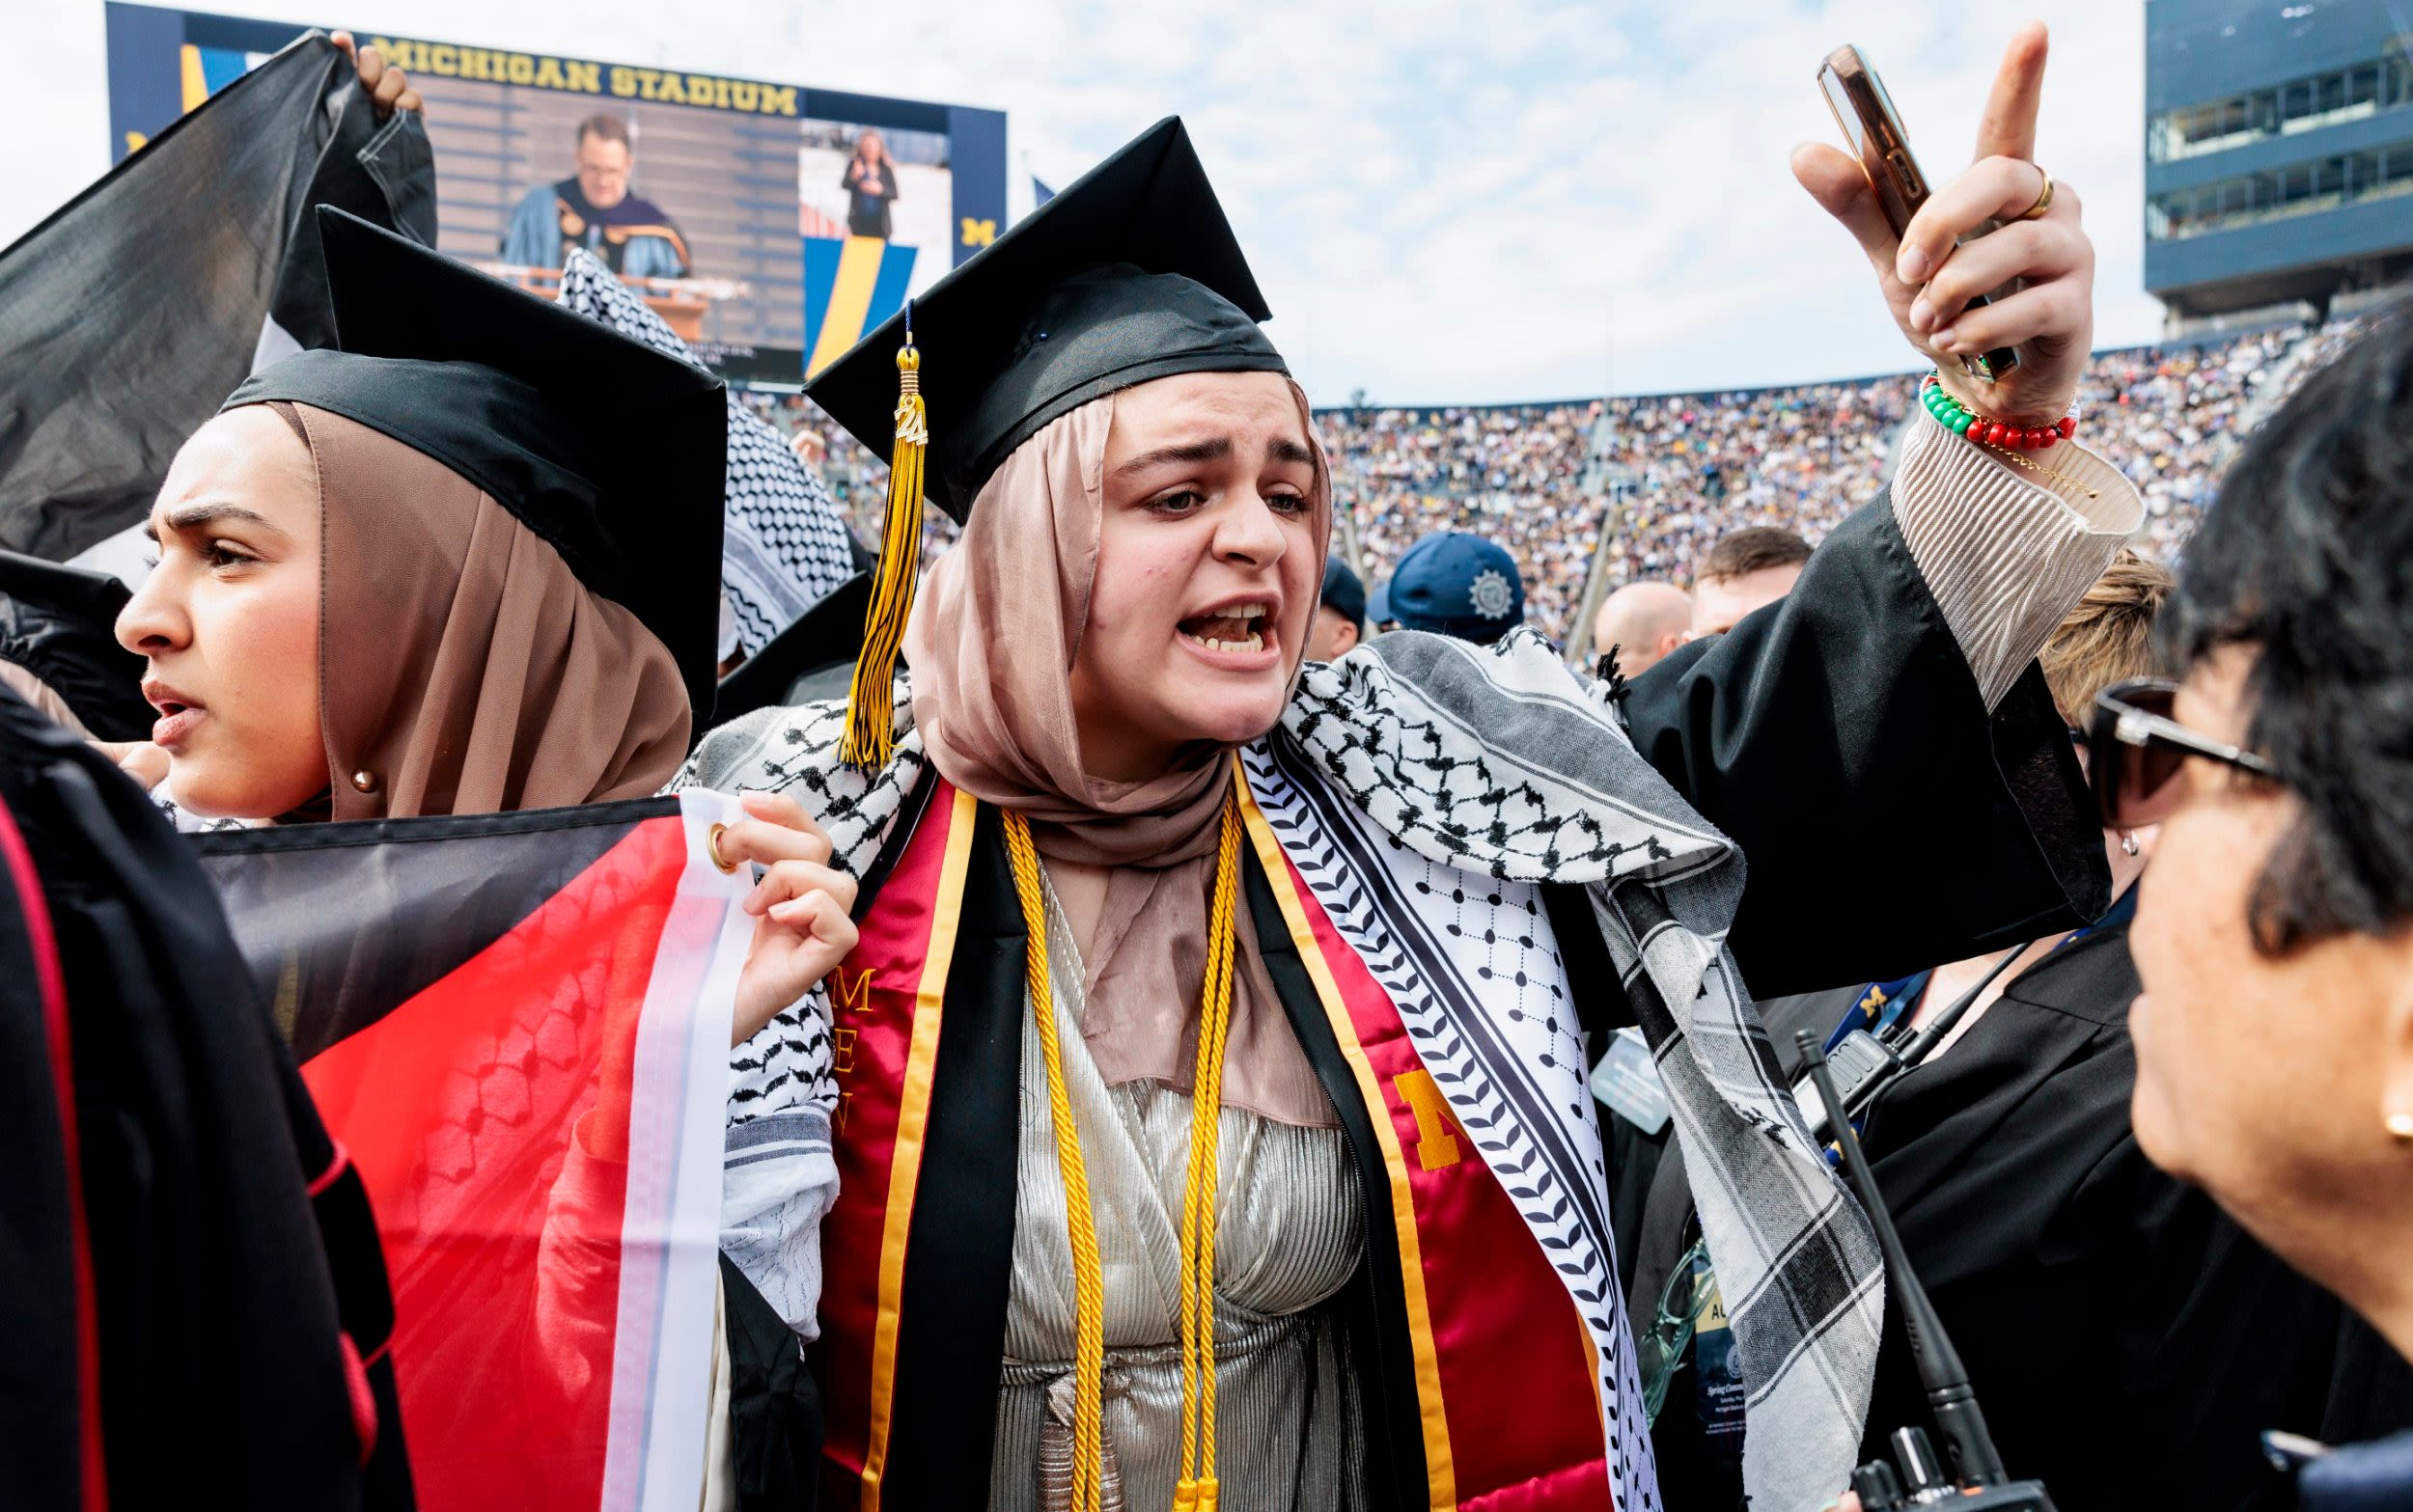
<point>1236,627</point>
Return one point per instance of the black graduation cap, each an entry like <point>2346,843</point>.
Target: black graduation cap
<point>60,623</point>
<point>612,452</point>
<point>1128,275</point>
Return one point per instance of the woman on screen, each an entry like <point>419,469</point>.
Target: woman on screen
<point>871,184</point>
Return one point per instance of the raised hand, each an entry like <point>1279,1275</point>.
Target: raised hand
<point>802,906</point>
<point>1928,280</point>
<point>387,86</point>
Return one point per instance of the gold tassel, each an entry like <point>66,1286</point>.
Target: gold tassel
<point>871,738</point>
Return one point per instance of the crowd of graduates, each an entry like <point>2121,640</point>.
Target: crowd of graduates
<point>934,948</point>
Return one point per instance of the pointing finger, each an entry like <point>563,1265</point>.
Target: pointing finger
<point>2008,128</point>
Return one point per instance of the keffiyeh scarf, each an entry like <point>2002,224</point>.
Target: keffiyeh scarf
<point>1421,770</point>
<point>785,544</point>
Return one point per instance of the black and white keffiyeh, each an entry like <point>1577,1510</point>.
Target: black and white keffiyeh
<point>1493,763</point>
<point>1421,782</point>
<point>786,543</point>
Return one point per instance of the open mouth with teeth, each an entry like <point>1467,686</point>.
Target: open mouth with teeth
<point>1240,627</point>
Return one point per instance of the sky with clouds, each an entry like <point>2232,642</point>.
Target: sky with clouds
<point>1510,199</point>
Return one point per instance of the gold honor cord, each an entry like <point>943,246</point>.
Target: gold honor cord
<point>870,736</point>
<point>1089,1281</point>
<point>1197,1490</point>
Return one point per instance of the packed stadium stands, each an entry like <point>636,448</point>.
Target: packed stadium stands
<point>1676,472</point>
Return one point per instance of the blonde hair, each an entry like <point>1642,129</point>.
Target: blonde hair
<point>2108,638</point>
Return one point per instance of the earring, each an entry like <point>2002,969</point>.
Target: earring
<point>2400,1127</point>
<point>2127,842</point>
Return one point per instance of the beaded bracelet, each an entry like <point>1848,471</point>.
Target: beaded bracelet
<point>1962,421</point>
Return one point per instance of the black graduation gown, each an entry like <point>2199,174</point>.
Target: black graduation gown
<point>223,1284</point>
<point>2129,1341</point>
<point>1774,730</point>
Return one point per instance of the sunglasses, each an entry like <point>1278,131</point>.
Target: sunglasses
<point>2134,750</point>
<point>1661,1353</point>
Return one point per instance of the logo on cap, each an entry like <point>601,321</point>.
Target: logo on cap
<point>1490,594</point>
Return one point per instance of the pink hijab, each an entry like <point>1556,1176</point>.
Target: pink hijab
<point>993,653</point>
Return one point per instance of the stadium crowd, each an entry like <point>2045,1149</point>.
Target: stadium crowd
<point>546,735</point>
<point>1685,469</point>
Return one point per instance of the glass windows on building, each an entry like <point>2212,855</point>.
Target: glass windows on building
<point>2251,198</point>
<point>2282,110</point>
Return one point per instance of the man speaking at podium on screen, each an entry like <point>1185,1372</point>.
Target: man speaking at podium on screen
<point>592,208</point>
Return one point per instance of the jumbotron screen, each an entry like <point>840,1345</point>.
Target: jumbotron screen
<point>770,223</point>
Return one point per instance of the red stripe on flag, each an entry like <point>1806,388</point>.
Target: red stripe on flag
<point>51,982</point>
<point>459,1109</point>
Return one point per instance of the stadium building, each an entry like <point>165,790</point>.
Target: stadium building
<point>2278,157</point>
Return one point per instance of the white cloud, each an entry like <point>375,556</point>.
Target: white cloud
<point>1513,200</point>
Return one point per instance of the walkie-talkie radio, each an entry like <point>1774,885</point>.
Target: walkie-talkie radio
<point>1970,1475</point>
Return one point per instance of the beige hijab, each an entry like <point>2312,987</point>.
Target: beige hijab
<point>462,667</point>
<point>991,650</point>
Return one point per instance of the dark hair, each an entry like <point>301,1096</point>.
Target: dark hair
<point>605,128</point>
<point>1755,548</point>
<point>2307,559</point>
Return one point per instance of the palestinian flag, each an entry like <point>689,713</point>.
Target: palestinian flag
<point>516,1028</point>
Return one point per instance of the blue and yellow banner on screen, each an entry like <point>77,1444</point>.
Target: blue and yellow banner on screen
<point>767,254</point>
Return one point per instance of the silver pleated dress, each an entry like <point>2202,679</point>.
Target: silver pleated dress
<point>1290,1428</point>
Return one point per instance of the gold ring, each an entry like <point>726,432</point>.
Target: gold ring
<point>712,847</point>
<point>2043,201</point>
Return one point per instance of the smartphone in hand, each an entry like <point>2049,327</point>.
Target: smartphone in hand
<point>1871,124</point>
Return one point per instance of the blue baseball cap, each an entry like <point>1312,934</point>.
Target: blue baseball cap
<point>1344,593</point>
<point>1455,584</point>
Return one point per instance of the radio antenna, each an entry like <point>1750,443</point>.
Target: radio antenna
<point>1957,1417</point>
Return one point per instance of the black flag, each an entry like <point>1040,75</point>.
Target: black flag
<point>131,312</point>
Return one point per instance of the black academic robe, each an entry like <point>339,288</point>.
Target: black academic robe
<point>60,625</point>
<point>230,1246</point>
<point>2129,1341</point>
<point>1776,732</point>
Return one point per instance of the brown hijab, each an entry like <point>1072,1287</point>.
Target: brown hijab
<point>462,667</point>
<point>992,652</point>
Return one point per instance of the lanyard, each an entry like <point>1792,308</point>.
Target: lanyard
<point>1882,1005</point>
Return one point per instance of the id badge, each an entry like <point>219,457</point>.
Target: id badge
<point>1627,1081</point>
<point>1717,1375</point>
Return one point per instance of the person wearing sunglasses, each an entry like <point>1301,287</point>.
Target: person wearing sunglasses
<point>2274,929</point>
<point>2126,1339</point>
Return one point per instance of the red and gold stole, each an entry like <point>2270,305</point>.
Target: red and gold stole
<point>885,1003</point>
<point>1504,1370</point>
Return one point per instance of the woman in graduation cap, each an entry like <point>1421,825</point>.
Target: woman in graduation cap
<point>467,563</point>
<point>1200,1115</point>
<point>432,572</point>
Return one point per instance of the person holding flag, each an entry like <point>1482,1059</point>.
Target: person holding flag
<point>421,580</point>
<point>1207,1083</point>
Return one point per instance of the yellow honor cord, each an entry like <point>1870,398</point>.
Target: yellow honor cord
<point>1089,1280</point>
<point>1197,1488</point>
<point>870,736</point>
